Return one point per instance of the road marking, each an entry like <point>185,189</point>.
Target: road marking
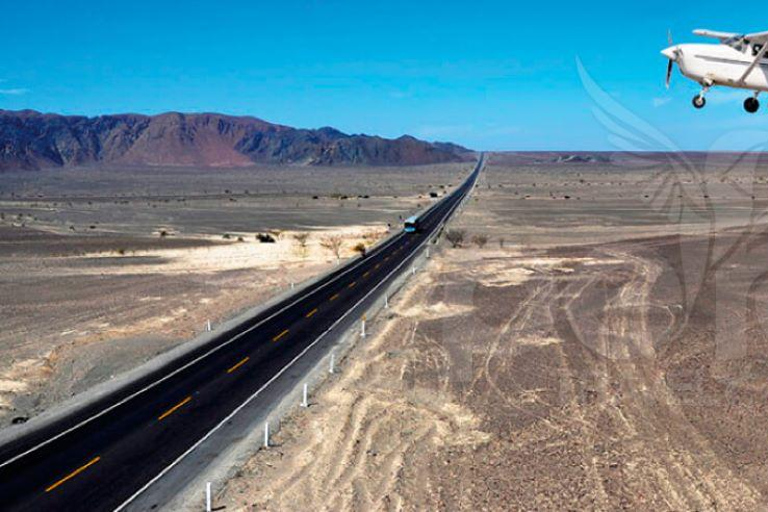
<point>73,474</point>
<point>352,284</point>
<point>276,338</point>
<point>238,365</point>
<point>285,368</point>
<point>386,259</point>
<point>174,409</point>
<point>367,274</point>
<point>309,315</point>
<point>334,297</point>
<point>377,266</point>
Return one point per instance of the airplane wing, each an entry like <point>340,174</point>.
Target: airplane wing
<point>722,36</point>
<point>756,37</point>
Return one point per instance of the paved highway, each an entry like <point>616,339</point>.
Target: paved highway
<point>103,456</point>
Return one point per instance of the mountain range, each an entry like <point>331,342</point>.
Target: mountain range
<point>33,140</point>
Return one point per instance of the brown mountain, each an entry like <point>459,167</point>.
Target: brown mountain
<point>31,140</point>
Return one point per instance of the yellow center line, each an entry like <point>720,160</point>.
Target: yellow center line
<point>280,335</point>
<point>377,265</point>
<point>367,274</point>
<point>174,409</point>
<point>335,297</point>
<point>238,365</point>
<point>352,284</point>
<point>73,474</point>
<point>386,259</point>
<point>309,315</point>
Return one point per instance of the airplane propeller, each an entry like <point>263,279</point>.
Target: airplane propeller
<point>671,53</point>
<point>669,72</point>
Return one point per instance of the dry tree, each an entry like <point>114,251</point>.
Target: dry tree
<point>332,243</point>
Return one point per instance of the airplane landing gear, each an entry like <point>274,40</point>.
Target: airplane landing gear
<point>751,105</point>
<point>699,100</point>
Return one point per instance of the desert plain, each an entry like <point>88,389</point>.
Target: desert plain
<point>102,269</point>
<point>596,341</point>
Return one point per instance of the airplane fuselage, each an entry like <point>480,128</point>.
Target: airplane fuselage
<point>710,64</point>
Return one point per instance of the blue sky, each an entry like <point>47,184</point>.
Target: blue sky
<point>487,74</point>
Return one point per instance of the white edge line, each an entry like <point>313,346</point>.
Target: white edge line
<point>277,375</point>
<point>182,368</point>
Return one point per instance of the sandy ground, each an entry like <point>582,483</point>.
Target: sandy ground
<point>600,353</point>
<point>89,288</point>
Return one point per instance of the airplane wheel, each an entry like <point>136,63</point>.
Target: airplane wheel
<point>699,101</point>
<point>751,105</point>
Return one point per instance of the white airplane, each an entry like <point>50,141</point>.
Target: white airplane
<point>739,61</point>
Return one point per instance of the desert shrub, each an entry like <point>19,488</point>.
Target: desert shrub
<point>226,236</point>
<point>480,240</point>
<point>240,239</point>
<point>163,233</point>
<point>455,237</point>
<point>301,240</point>
<point>265,238</point>
<point>360,248</point>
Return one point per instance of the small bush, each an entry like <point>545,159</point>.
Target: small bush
<point>265,238</point>
<point>455,237</point>
<point>480,240</point>
<point>360,248</point>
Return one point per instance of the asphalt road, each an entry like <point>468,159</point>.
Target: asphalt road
<point>100,457</point>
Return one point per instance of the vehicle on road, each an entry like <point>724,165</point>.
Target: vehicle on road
<point>412,224</point>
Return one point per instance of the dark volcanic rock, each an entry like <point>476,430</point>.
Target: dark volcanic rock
<point>31,140</point>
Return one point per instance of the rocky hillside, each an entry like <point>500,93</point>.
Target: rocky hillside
<point>31,140</point>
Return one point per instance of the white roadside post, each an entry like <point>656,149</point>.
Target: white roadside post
<point>427,252</point>
<point>362,328</point>
<point>330,367</point>
<point>304,402</point>
<point>413,270</point>
<point>386,301</point>
<point>266,434</point>
<point>292,285</point>
<point>208,504</point>
<point>208,326</point>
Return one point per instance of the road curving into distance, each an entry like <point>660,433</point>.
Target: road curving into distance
<point>105,455</point>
